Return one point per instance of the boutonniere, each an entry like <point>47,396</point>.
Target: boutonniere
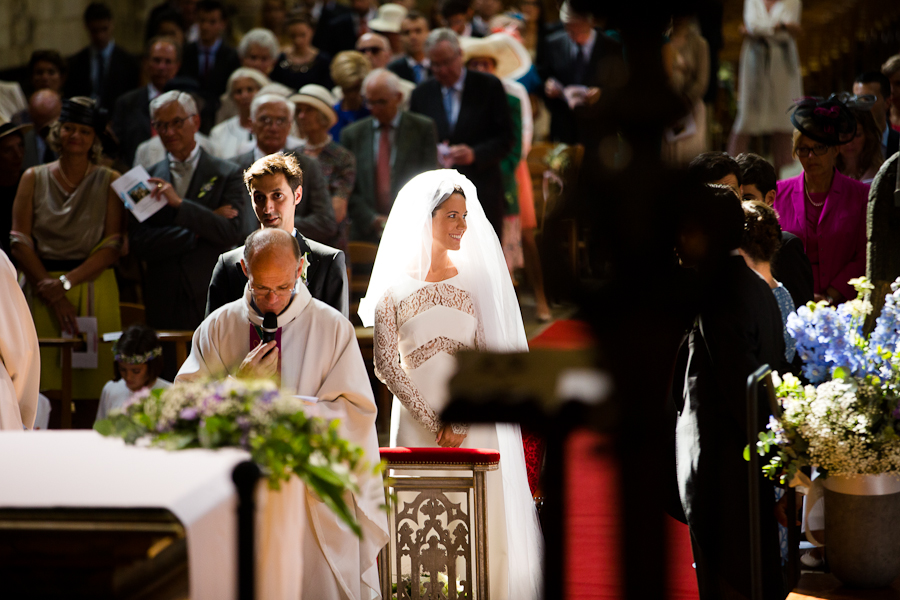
<point>207,187</point>
<point>304,267</point>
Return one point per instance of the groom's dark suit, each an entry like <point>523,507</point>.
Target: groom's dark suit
<point>326,277</point>
<point>484,124</point>
<point>738,329</point>
<point>180,245</point>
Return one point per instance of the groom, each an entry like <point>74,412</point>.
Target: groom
<point>315,354</point>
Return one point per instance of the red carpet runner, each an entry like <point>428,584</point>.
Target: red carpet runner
<point>592,517</point>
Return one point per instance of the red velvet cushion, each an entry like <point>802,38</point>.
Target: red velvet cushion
<point>440,455</point>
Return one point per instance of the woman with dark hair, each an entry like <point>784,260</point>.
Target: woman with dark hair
<point>761,241</point>
<point>66,235</point>
<point>825,209</point>
<point>303,63</point>
<point>138,364</point>
<point>860,158</point>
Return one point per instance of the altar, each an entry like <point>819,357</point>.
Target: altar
<point>87,516</point>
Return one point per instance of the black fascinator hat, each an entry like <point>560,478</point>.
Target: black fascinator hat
<point>828,122</point>
<point>84,111</point>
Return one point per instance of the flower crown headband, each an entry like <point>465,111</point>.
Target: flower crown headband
<point>136,359</point>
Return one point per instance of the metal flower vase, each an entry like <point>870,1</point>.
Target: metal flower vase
<point>862,529</point>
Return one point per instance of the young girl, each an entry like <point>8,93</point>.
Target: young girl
<point>138,363</point>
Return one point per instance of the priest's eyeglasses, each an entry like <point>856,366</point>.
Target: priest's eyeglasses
<point>818,150</point>
<point>263,292</point>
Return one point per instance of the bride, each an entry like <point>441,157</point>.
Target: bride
<point>440,285</point>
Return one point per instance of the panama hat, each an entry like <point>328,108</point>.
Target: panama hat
<point>7,128</point>
<point>512,59</point>
<point>390,17</point>
<point>319,98</point>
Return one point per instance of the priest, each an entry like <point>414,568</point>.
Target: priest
<point>313,353</point>
<point>20,358</point>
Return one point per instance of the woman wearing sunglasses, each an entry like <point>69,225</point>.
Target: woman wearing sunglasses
<point>825,209</point>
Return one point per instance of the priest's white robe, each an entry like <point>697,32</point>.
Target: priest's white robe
<point>319,357</point>
<point>20,358</point>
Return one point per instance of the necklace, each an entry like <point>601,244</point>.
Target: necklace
<point>320,145</point>
<point>816,204</point>
<point>66,181</point>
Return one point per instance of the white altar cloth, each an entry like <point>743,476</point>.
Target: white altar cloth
<point>82,469</point>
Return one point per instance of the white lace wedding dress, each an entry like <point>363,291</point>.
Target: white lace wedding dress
<point>426,324</point>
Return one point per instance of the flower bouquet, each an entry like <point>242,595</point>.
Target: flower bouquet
<point>846,421</point>
<point>254,416</point>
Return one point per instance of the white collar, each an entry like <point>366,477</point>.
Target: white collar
<point>426,62</point>
<point>258,154</point>
<point>192,158</point>
<point>588,45</point>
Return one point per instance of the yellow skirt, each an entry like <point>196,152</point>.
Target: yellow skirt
<point>99,299</point>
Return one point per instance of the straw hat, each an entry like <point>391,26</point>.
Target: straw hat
<point>512,59</point>
<point>390,17</point>
<point>319,98</point>
<point>7,128</point>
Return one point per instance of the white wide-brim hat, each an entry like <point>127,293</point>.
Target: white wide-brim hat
<point>512,59</point>
<point>319,98</point>
<point>390,17</point>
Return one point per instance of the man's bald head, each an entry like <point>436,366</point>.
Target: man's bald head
<point>44,107</point>
<point>271,243</point>
<point>376,47</point>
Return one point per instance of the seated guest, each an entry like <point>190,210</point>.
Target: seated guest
<point>20,359</point>
<point>209,60</point>
<point>44,107</point>
<point>316,354</point>
<point>203,217</point>
<point>102,70</point>
<point>169,23</point>
<point>823,208</point>
<point>131,118</point>
<point>348,69</point>
<point>876,84</point>
<point>272,118</point>
<point>335,28</point>
<point>185,10</point>
<point>315,116</point>
<point>737,330</point>
<point>228,136</point>
<point>413,66</point>
<point>149,152</point>
<point>472,117</point>
<point>275,185</point>
<point>138,365</point>
<point>716,167</point>
<point>66,235</point>
<point>273,15</point>
<point>259,49</point>
<point>391,147</point>
<point>790,264</point>
<point>860,158</point>
<point>12,155</point>
<point>458,15</point>
<point>760,244</point>
<point>303,63</point>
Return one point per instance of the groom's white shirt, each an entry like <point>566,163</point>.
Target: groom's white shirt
<point>319,357</point>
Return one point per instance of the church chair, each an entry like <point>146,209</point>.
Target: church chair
<point>437,523</point>
<point>362,258</point>
<point>132,313</point>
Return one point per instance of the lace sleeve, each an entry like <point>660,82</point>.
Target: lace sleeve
<point>387,366</point>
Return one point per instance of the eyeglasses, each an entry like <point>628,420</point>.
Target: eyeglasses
<point>371,50</point>
<point>818,150</point>
<point>267,121</point>
<point>263,292</point>
<point>175,124</point>
<point>376,103</point>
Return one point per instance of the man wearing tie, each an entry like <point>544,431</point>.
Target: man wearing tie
<point>391,147</point>
<point>205,200</point>
<point>579,61</point>
<point>413,66</point>
<point>472,118</point>
<point>209,60</point>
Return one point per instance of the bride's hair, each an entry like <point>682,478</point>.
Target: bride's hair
<point>456,190</point>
